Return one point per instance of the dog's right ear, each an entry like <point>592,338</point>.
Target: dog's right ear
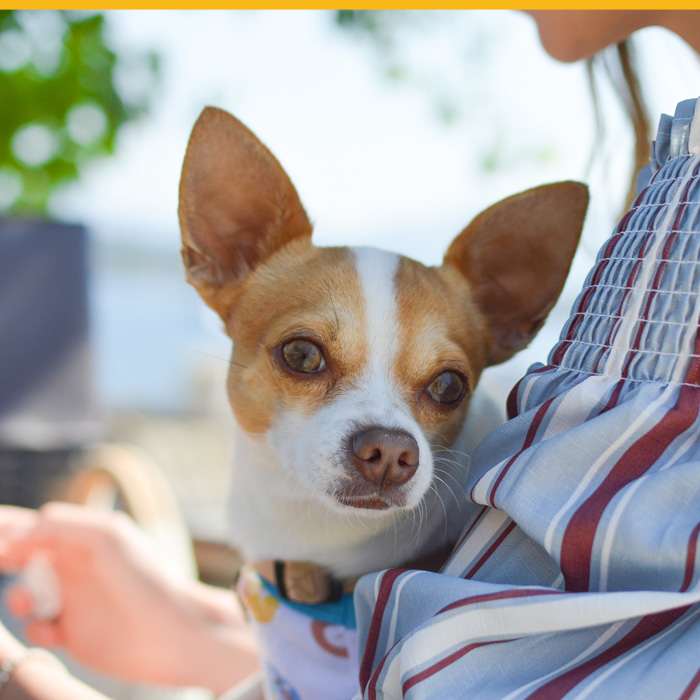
<point>237,207</point>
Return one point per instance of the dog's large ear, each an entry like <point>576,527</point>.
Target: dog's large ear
<point>237,207</point>
<point>516,256</point>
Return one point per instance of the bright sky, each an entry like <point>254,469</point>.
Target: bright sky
<point>372,162</point>
<point>368,155</point>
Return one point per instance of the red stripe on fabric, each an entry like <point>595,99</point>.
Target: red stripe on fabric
<point>620,229</point>
<point>690,558</point>
<point>558,354</point>
<point>646,628</point>
<point>388,579</point>
<point>512,402</point>
<point>691,688</point>
<point>614,397</point>
<point>511,594</point>
<point>444,663</point>
<point>577,543</point>
<point>372,686</point>
<point>585,298</point>
<point>490,550</point>
<point>529,439</point>
<point>632,278</point>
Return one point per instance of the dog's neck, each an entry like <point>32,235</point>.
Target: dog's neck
<point>273,518</point>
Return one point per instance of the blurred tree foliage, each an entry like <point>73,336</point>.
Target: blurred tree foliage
<point>381,28</point>
<point>395,33</point>
<point>378,24</point>
<point>65,94</point>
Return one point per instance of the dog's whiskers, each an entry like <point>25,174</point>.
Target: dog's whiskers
<point>227,360</point>
<point>463,458</point>
<point>458,502</point>
<point>448,463</point>
<point>444,509</point>
<point>447,472</point>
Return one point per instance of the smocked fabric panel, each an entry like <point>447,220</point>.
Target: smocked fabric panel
<point>636,318</point>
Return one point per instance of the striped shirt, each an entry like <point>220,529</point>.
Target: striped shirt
<point>577,575</point>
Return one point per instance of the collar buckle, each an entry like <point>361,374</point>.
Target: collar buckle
<point>304,582</point>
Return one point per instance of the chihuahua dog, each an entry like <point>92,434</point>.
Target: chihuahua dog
<point>350,378</point>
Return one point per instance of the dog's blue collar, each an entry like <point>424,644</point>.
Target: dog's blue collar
<point>342,612</point>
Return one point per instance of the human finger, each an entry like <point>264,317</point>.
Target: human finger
<point>14,516</point>
<point>20,536</point>
<point>16,553</point>
<point>61,527</point>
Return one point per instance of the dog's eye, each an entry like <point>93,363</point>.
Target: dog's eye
<point>447,388</point>
<point>303,356</point>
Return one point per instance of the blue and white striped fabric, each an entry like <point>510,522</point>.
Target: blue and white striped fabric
<point>578,574</point>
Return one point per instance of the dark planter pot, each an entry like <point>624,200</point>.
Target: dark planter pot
<point>48,407</point>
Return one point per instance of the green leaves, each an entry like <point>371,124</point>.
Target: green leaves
<point>61,107</point>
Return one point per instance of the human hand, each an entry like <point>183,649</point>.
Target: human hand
<point>121,613</point>
<point>33,673</point>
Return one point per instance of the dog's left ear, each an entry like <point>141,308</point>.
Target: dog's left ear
<point>516,256</point>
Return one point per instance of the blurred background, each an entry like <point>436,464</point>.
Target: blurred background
<point>396,127</point>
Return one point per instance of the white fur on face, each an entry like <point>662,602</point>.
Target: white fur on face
<point>313,447</point>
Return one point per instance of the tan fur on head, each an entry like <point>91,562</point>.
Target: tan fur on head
<point>440,326</point>
<point>304,291</point>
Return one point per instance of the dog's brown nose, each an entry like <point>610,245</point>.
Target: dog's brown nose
<point>385,457</point>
